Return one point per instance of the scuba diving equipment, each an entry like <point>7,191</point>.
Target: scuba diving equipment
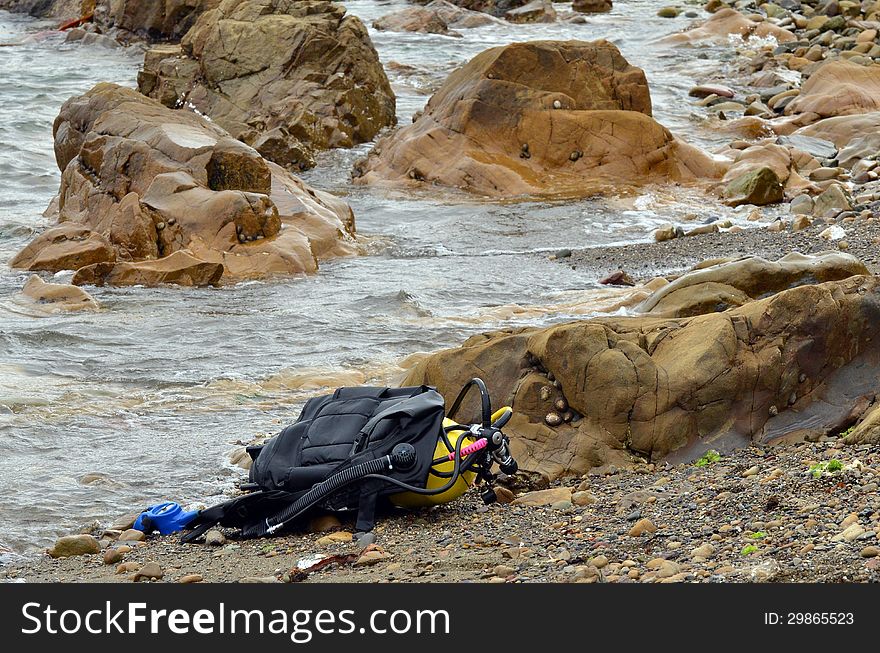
<point>167,517</point>
<point>349,449</point>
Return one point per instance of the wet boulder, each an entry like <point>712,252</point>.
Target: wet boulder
<point>838,88</point>
<point>759,186</point>
<point>65,247</point>
<point>563,118</point>
<point>592,6</point>
<point>727,22</point>
<point>57,9</point>
<point>153,20</point>
<point>179,268</point>
<point>459,17</point>
<point>422,20</point>
<point>496,8</point>
<point>74,545</point>
<point>731,284</point>
<point>636,388</point>
<point>288,78</point>
<point>141,182</point>
<point>760,174</point>
<point>536,11</point>
<point>55,297</point>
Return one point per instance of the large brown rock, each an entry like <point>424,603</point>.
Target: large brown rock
<point>58,9</point>
<point>141,182</point>
<point>179,268</point>
<point>155,20</point>
<point>838,88</point>
<point>729,22</point>
<point>74,545</point>
<point>842,130</point>
<point>592,6</point>
<point>287,77</point>
<point>459,17</point>
<point>732,284</point>
<point>536,11</point>
<point>867,430</point>
<point>55,297</point>
<point>66,247</point>
<point>564,118</point>
<point>796,364</point>
<point>761,174</point>
<point>414,19</point>
<point>496,8</point>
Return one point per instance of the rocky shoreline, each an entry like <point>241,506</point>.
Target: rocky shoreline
<point>760,515</point>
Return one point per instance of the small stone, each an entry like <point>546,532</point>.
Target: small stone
<point>850,519</point>
<point>870,552</point>
<point>546,393</point>
<point>703,551</point>
<point>150,571</point>
<point>561,404</point>
<point>127,567</point>
<point>665,233</point>
<point>669,12</point>
<point>160,226</point>
<point>503,571</point>
<point>74,545</point>
<point>544,497</point>
<point>363,540</point>
<point>557,104</point>
<point>644,525</point>
<point>372,555</point>
<point>800,223</point>
<point>585,571</point>
<point>583,499</point>
<point>124,522</point>
<point>215,538</point>
<point>265,580</point>
<point>850,534</point>
<point>599,561</point>
<point>113,556</point>
<point>503,495</point>
<point>340,537</point>
<point>324,524</point>
<point>191,578</point>
<point>132,535</point>
<point>751,471</point>
<point>824,174</point>
<point>764,572</point>
<point>801,205</point>
<point>172,222</point>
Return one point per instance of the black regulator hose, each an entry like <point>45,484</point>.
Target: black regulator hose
<point>485,401</point>
<point>325,488</point>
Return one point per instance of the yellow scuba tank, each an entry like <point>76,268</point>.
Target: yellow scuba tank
<point>445,465</point>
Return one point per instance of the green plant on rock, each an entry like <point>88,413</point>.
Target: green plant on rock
<point>760,535</point>
<point>708,458</point>
<point>748,549</point>
<point>826,467</point>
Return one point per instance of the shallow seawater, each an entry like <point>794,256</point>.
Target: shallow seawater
<point>153,391</point>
